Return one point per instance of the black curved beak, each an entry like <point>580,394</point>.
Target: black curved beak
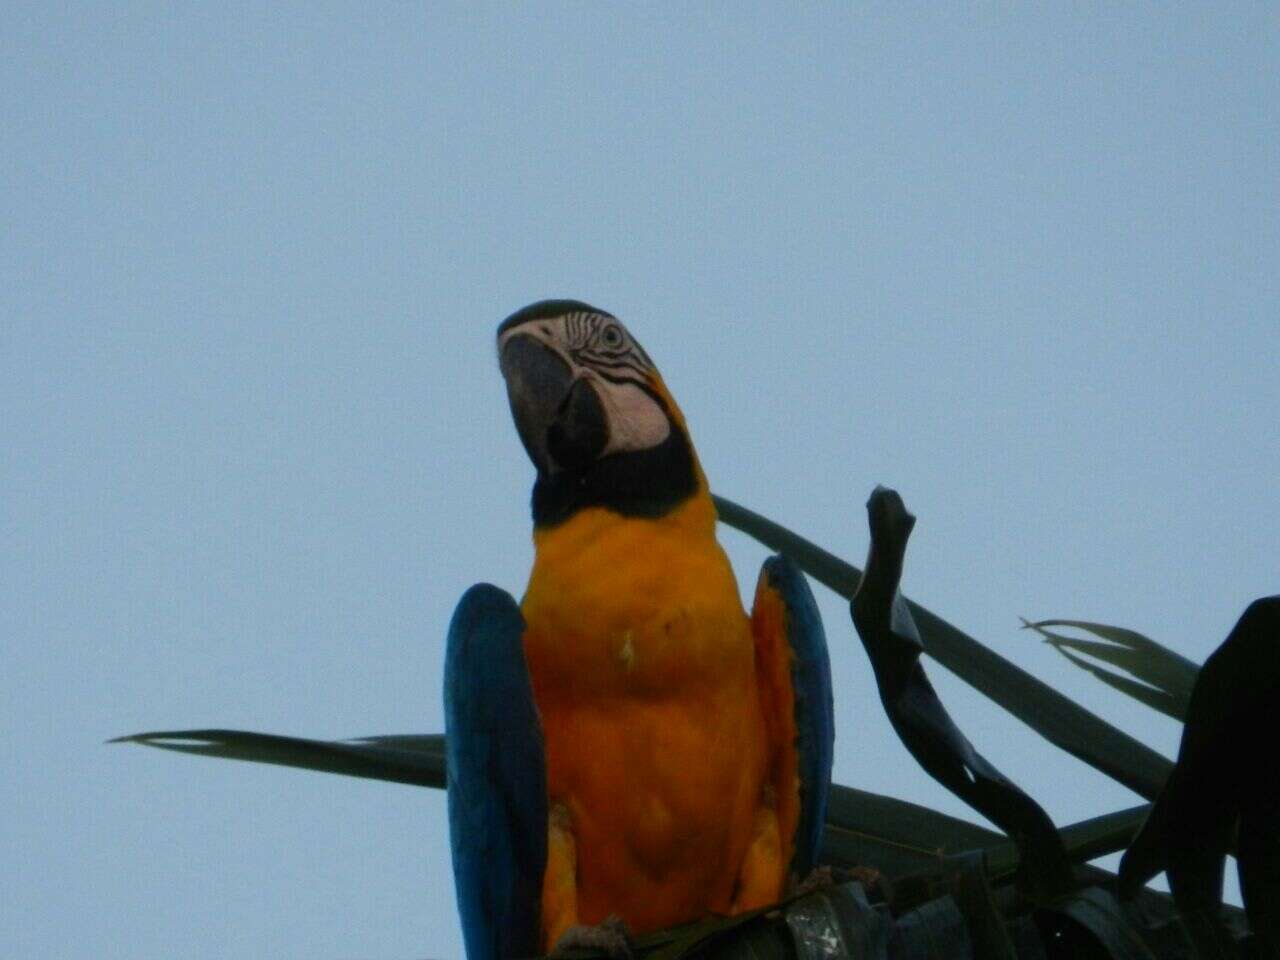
<point>560,419</point>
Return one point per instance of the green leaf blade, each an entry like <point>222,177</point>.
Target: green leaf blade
<point>413,760</point>
<point>1163,679</point>
<point>1058,719</point>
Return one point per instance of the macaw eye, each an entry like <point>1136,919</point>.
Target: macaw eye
<point>612,336</point>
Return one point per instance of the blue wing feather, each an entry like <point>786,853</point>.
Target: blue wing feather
<point>814,711</point>
<point>496,778</point>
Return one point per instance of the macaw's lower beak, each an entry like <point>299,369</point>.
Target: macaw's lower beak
<point>559,416</point>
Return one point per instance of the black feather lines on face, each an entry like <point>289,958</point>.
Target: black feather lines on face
<point>602,343</point>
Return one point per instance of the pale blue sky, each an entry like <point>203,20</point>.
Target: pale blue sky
<point>1018,262</point>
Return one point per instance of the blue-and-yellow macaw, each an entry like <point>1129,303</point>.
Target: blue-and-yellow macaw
<point>627,741</point>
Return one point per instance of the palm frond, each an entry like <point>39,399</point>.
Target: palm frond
<point>1058,719</point>
<point>1161,679</point>
<point>413,759</point>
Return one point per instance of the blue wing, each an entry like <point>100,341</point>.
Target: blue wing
<point>814,712</point>
<point>496,778</point>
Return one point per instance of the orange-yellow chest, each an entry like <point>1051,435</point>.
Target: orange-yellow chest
<point>643,668</point>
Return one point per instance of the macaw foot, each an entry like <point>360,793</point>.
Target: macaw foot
<point>610,937</point>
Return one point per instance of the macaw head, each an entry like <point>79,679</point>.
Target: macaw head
<point>594,415</point>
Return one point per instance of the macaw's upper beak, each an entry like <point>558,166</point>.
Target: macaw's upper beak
<point>559,416</point>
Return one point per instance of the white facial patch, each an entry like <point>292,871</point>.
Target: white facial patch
<point>636,420</point>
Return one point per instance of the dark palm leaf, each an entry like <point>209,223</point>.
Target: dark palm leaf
<point>1162,679</point>
<point>892,641</point>
<point>1061,721</point>
<point>413,759</point>
<point>1225,781</point>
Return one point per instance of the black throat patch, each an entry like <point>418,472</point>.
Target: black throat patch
<point>644,483</point>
